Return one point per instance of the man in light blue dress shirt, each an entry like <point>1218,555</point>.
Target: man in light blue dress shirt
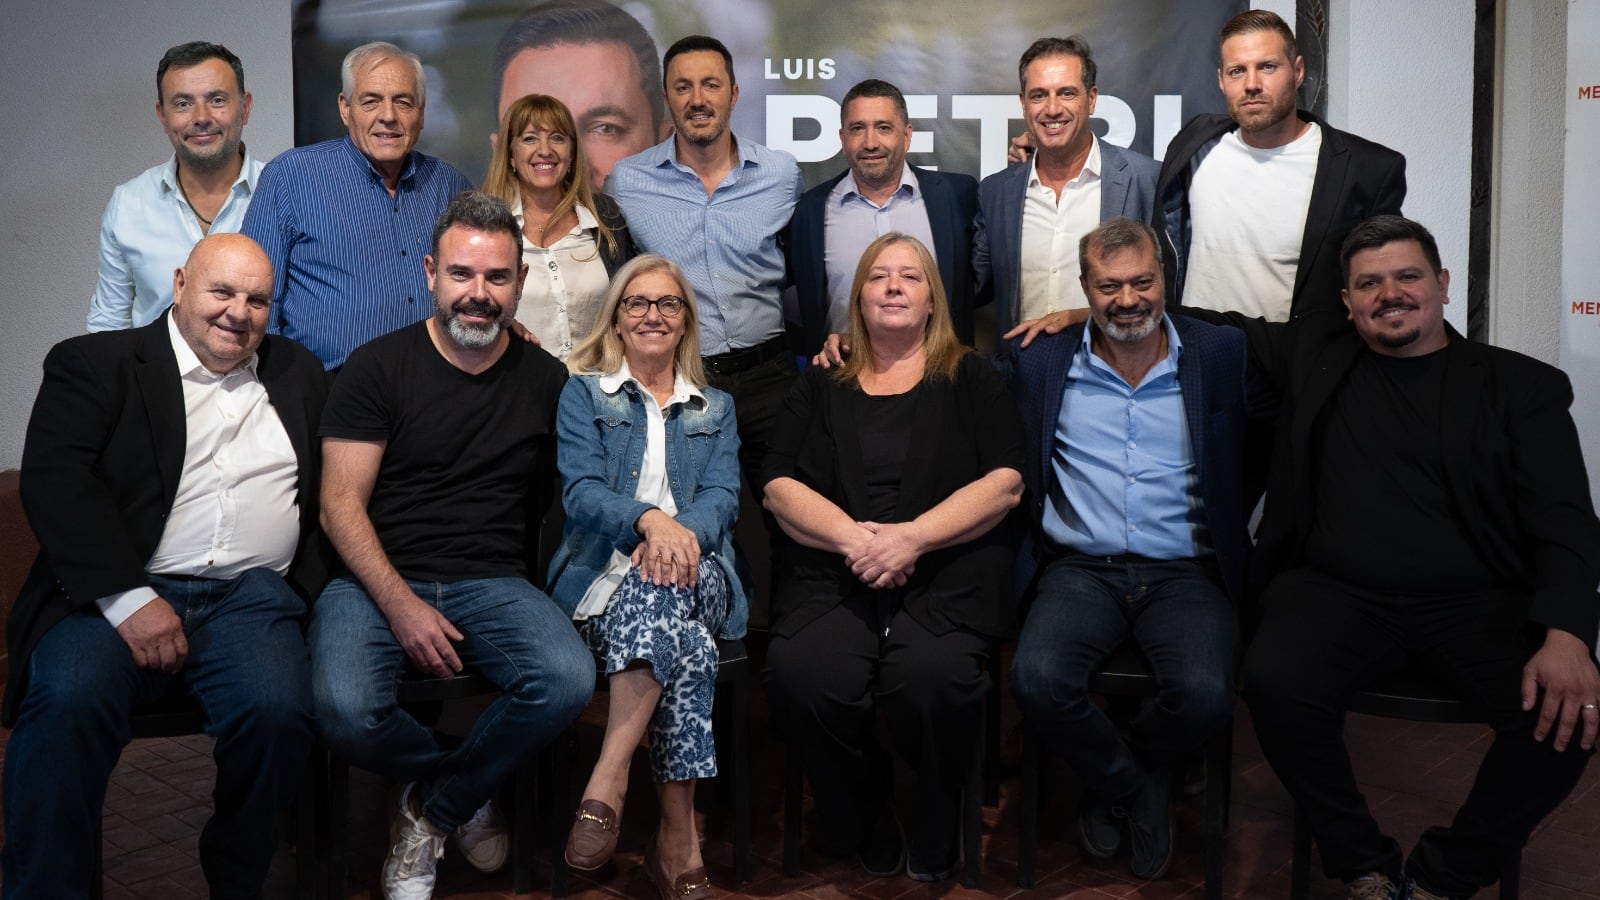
<point>1133,424</point>
<point>715,204</point>
<point>153,221</point>
<point>347,222</point>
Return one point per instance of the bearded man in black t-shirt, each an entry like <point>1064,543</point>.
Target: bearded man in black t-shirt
<point>430,446</point>
<point>1427,506</point>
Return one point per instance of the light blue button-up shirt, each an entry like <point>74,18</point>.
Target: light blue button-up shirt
<point>146,234</point>
<point>850,222</point>
<point>1126,480</point>
<point>726,243</point>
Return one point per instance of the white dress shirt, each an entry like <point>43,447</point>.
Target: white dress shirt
<point>236,507</point>
<point>565,287</point>
<point>1051,227</point>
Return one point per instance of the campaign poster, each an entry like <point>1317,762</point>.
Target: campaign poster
<point>955,60</point>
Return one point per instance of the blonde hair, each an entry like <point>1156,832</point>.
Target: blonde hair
<point>942,350</point>
<point>602,352</point>
<point>545,112</point>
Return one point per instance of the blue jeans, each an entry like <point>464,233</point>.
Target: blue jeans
<point>1177,614</point>
<point>514,636</point>
<point>247,668</point>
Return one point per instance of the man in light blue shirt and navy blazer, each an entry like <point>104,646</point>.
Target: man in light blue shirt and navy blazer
<point>716,205</point>
<point>1031,215</point>
<point>880,192</point>
<point>1132,425</point>
<point>153,221</point>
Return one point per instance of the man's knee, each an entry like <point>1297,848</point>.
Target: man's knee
<point>1202,700</point>
<point>563,682</point>
<point>1043,685</point>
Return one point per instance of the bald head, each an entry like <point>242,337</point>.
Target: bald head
<point>220,300</point>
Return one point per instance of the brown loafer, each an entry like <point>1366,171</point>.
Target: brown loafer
<point>593,837</point>
<point>694,884</point>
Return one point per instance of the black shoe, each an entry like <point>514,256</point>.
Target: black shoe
<point>1148,815</point>
<point>1414,891</point>
<point>1097,830</point>
<point>883,853</point>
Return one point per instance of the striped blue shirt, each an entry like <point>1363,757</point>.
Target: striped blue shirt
<point>1126,480</point>
<point>346,254</point>
<point>726,244</point>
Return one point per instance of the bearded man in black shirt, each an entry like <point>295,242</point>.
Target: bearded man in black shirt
<point>1428,506</point>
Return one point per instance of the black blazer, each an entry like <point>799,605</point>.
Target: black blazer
<point>1356,179</point>
<point>963,429</point>
<point>101,463</point>
<point>1511,459</point>
<point>951,200</point>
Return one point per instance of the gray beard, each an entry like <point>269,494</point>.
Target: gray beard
<point>473,337</point>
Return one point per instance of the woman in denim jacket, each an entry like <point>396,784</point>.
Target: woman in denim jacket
<point>650,473</point>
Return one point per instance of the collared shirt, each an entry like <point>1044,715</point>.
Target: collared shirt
<point>237,504</point>
<point>653,487</point>
<point>146,234</point>
<point>565,287</point>
<point>850,222</point>
<point>1126,480</point>
<point>726,244</point>
<point>1051,227</point>
<point>347,255</point>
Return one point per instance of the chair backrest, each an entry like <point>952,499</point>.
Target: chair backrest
<point>1125,674</point>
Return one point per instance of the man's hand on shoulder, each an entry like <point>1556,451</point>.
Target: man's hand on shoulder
<point>1565,673</point>
<point>1020,148</point>
<point>1050,323</point>
<point>833,352</point>
<point>426,635</point>
<point>520,331</point>
<point>154,634</point>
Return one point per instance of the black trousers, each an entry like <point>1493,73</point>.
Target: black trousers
<point>823,683</point>
<point>758,394</point>
<point>1320,641</point>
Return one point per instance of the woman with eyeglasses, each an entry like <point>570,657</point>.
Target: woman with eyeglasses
<point>573,237</point>
<point>650,481</point>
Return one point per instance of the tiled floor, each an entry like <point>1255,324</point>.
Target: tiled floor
<point>1413,776</point>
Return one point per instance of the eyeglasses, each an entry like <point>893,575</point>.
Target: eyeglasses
<point>669,306</point>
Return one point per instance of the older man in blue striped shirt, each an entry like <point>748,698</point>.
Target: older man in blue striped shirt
<point>715,205</point>
<point>347,222</point>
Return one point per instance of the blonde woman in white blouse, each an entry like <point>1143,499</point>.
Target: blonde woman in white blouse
<point>573,238</point>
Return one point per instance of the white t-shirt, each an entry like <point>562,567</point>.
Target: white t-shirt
<point>1248,213</point>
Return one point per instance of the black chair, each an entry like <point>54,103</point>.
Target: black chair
<point>180,716</point>
<point>1126,674</point>
<point>1414,697</point>
<point>731,728</point>
<point>424,698</point>
<point>981,786</point>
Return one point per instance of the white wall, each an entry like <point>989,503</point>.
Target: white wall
<point>78,97</point>
<point>77,103</point>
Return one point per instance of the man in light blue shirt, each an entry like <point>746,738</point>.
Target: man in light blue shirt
<point>1133,424</point>
<point>715,204</point>
<point>347,222</point>
<point>153,221</point>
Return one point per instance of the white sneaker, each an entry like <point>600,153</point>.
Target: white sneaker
<point>415,845</point>
<point>483,839</point>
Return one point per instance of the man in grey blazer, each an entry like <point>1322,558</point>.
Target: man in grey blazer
<point>1030,216</point>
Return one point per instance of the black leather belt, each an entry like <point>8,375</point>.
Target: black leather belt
<point>746,357</point>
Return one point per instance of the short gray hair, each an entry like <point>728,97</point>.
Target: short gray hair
<point>368,55</point>
<point>1120,233</point>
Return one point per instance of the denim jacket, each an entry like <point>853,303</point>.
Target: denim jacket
<point>600,446</point>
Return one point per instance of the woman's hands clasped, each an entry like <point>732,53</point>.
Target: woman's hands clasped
<point>669,553</point>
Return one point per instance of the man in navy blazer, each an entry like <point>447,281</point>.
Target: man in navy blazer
<point>170,474</point>
<point>1132,428</point>
<point>879,192</point>
<point>1254,204</point>
<point>1031,215</point>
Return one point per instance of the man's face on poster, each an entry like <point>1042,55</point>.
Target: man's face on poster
<point>601,84</point>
